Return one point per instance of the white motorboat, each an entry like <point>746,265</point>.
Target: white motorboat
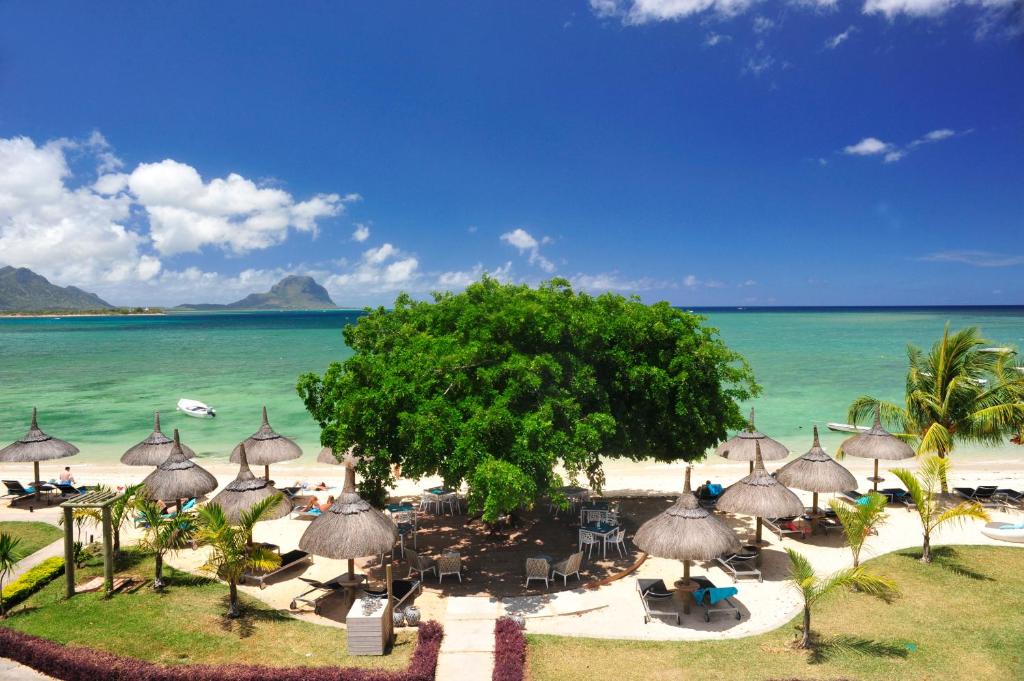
<point>196,408</point>
<point>847,428</point>
<point>1004,531</point>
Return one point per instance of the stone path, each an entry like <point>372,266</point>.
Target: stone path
<point>467,651</point>
<point>12,671</point>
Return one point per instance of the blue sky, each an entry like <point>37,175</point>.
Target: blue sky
<point>707,152</point>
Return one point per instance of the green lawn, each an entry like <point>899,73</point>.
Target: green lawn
<point>33,536</point>
<point>186,624</point>
<point>960,617</point>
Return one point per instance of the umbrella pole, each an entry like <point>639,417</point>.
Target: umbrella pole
<point>751,467</point>
<point>686,583</point>
<point>35,474</point>
<point>814,504</point>
<point>876,478</point>
<point>351,568</point>
<point>757,534</point>
<point>266,472</point>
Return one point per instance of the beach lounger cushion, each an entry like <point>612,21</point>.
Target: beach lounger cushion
<point>715,594</point>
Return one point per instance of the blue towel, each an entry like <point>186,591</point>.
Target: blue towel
<point>314,511</point>
<point>30,489</point>
<point>188,505</point>
<point>715,594</point>
<point>863,501</point>
<point>715,489</point>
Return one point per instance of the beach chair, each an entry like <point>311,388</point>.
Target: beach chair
<point>318,591</point>
<point>566,568</point>
<point>741,564</point>
<point>403,592</point>
<point>419,564</point>
<point>1009,497</point>
<point>657,600</point>
<point>537,568</point>
<point>67,490</point>
<point>707,496</point>
<point>983,494</point>
<point>783,526</point>
<point>17,492</point>
<point>289,560</point>
<point>714,599</point>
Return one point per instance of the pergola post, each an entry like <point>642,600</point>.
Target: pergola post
<point>108,552</point>
<point>69,551</point>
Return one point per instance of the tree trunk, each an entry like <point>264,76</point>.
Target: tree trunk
<point>117,543</point>
<point>942,479</point>
<point>926,550</point>
<point>158,583</point>
<point>233,598</point>
<point>805,640</point>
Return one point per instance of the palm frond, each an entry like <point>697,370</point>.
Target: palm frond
<point>935,439</point>
<point>967,510</point>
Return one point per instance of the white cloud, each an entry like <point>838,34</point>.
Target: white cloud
<point>927,8</point>
<point>636,12</point>
<point>613,281</point>
<point>361,233</point>
<point>71,235</point>
<point>381,269</point>
<point>524,242</point>
<point>716,39</point>
<point>234,213</point>
<point>976,258</point>
<point>459,279</point>
<point>758,64</point>
<point>762,24</point>
<point>840,38</point>
<point>692,281</point>
<point>869,146</point>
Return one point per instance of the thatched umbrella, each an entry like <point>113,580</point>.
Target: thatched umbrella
<point>326,456</point>
<point>265,447</point>
<point>686,532</point>
<point>816,472</point>
<point>351,528</point>
<point>154,449</point>
<point>741,446</point>
<point>876,444</point>
<point>178,477</point>
<point>36,446</point>
<point>761,495</point>
<point>245,491</point>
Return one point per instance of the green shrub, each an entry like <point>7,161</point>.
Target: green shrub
<point>33,580</point>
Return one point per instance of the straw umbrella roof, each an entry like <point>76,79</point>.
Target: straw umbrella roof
<point>816,471</point>
<point>877,443</point>
<point>245,491</point>
<point>741,446</point>
<point>326,456</point>
<point>265,447</point>
<point>759,494</point>
<point>154,449</point>
<point>351,527</point>
<point>686,531</point>
<point>35,445</point>
<point>178,477</point>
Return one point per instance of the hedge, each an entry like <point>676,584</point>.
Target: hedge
<point>509,651</point>
<point>73,663</point>
<point>32,581</point>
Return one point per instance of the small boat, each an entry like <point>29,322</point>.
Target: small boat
<point>1004,531</point>
<point>847,428</point>
<point>196,408</point>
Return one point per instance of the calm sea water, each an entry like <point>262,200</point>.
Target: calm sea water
<point>97,380</point>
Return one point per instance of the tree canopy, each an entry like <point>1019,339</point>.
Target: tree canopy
<point>500,383</point>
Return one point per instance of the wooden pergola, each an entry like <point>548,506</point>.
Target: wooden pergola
<point>101,499</point>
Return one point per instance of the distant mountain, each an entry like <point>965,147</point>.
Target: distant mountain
<point>291,293</point>
<point>21,289</point>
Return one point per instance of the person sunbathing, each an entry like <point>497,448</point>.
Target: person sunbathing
<point>320,507</point>
<point>305,485</point>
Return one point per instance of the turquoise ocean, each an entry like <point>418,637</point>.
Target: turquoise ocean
<point>97,380</point>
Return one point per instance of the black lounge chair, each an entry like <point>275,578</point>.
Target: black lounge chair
<point>402,590</point>
<point>657,599</point>
<point>779,526</point>
<point>1010,497</point>
<point>983,494</point>
<point>724,605</point>
<point>289,560</point>
<point>16,491</point>
<point>740,565</point>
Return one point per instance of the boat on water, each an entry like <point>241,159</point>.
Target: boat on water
<point>196,408</point>
<point>847,428</point>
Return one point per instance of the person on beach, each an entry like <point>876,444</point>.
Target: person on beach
<point>321,507</point>
<point>66,478</point>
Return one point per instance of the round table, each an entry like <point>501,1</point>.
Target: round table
<point>686,587</point>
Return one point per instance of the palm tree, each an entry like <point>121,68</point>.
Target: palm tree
<point>164,533</point>
<point>860,520</point>
<point>231,554</point>
<point>922,489</point>
<point>123,508</point>
<point>813,588</point>
<point>10,554</point>
<point>961,392</point>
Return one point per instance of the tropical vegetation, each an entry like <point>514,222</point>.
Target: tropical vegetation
<point>499,384</point>
<point>860,520</point>
<point>163,533</point>
<point>962,391</point>
<point>34,579</point>
<point>931,507</point>
<point>10,554</point>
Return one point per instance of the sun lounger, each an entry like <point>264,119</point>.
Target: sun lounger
<point>781,526</point>
<point>740,565</point>
<point>289,560</point>
<point>68,490</point>
<point>17,492</point>
<point>658,600</point>
<point>403,592</point>
<point>1010,497</point>
<point>715,599</point>
<point>983,494</point>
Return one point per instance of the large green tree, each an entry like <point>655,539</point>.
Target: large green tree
<point>963,391</point>
<point>498,384</point>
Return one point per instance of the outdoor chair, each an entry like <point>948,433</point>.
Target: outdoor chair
<point>741,564</point>
<point>618,540</point>
<point>1010,497</point>
<point>590,540</point>
<point>714,599</point>
<point>783,526</point>
<point>897,496</point>
<point>430,502</point>
<point>707,496</point>
<point>592,516</point>
<point>289,560</point>
<point>451,501</point>
<point>566,568</point>
<point>449,564</point>
<point>322,590</point>
<point>657,600</point>
<point>537,568</point>
<point>406,523</point>
<point>982,494</point>
<point>419,564</point>
<point>16,491</point>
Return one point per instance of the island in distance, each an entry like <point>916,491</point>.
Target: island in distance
<point>291,293</point>
<point>23,290</point>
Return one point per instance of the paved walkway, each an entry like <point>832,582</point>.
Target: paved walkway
<point>467,651</point>
<point>12,671</point>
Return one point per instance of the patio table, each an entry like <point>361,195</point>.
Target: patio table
<point>602,530</point>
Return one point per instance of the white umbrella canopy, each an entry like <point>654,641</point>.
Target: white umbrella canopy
<point>36,446</point>
<point>759,494</point>
<point>741,447</point>
<point>877,443</point>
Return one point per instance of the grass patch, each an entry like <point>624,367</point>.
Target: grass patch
<point>959,616</point>
<point>33,536</point>
<point>186,624</point>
